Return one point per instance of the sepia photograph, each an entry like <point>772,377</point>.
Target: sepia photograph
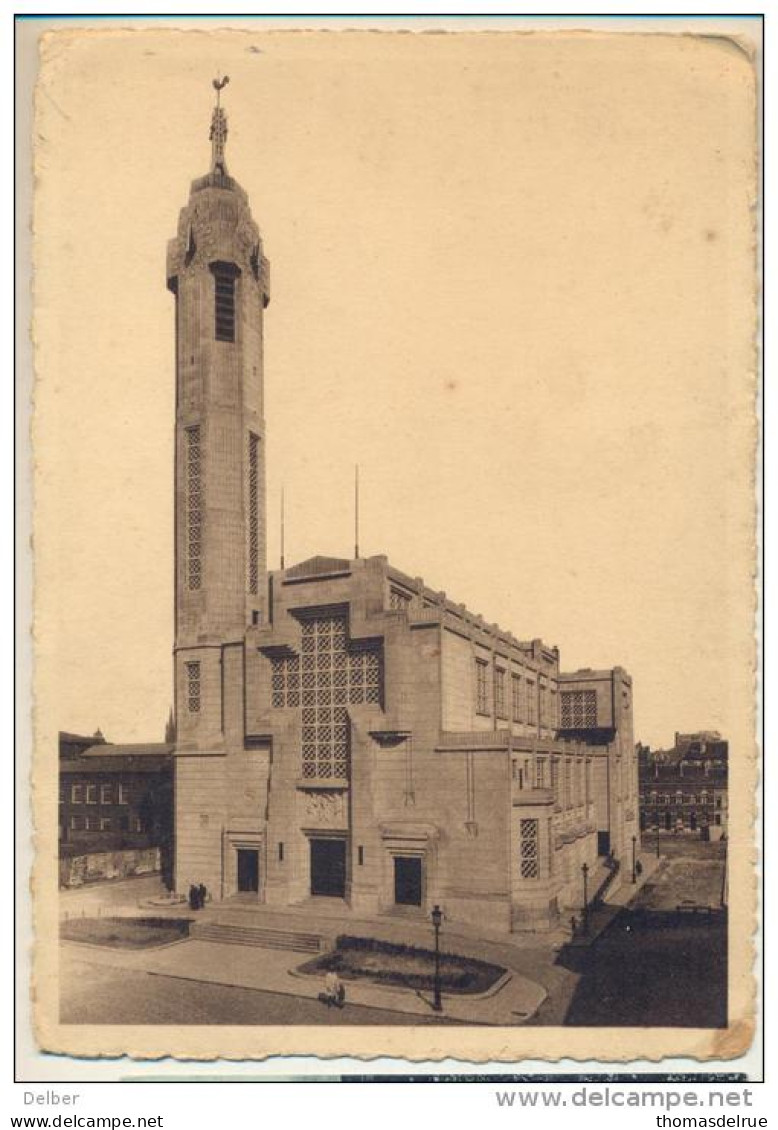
<point>394,442</point>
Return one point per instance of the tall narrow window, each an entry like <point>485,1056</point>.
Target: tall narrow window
<point>481,694</point>
<point>499,692</point>
<point>224,286</point>
<point>194,508</point>
<point>192,687</point>
<point>531,702</point>
<point>253,530</point>
<point>516,695</point>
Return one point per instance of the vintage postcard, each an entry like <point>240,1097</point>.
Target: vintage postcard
<point>394,438</point>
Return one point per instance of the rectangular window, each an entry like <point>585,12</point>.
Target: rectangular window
<point>552,710</point>
<point>224,280</point>
<point>105,794</point>
<point>529,856</point>
<point>589,783</point>
<point>481,691</point>
<point>499,692</point>
<point>105,823</point>
<point>568,782</point>
<point>555,777</point>
<point>516,697</point>
<point>531,703</point>
<point>253,530</point>
<point>579,710</point>
<point>192,689</point>
<point>280,853</point>
<point>76,823</point>
<point>540,773</point>
<point>194,507</point>
<point>77,794</point>
<point>124,794</point>
<point>91,794</point>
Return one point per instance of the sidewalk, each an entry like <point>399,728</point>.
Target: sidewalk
<point>616,900</point>
<point>515,1000</point>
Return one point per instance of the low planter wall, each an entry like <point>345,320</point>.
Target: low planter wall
<point>94,866</point>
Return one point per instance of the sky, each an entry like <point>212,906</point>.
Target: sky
<point>511,278</point>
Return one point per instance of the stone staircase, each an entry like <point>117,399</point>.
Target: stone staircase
<point>262,936</point>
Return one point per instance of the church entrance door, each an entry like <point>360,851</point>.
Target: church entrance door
<point>328,867</point>
<point>407,880</point>
<point>248,871</point>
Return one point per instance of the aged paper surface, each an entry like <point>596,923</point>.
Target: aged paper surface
<point>514,279</point>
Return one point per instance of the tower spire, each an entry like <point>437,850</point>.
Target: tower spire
<point>218,134</point>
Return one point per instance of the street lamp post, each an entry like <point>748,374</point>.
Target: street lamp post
<point>634,872</point>
<point>585,909</point>
<point>437,918</point>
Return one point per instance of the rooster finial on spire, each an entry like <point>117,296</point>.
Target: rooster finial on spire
<point>219,129</point>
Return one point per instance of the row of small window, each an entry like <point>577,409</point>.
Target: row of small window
<point>104,824</point>
<point>679,798</point>
<point>528,701</point>
<point>575,781</point>
<point>88,794</point>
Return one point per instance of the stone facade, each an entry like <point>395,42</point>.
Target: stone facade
<point>344,731</point>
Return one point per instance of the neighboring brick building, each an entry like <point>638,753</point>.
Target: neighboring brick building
<point>685,789</point>
<point>344,731</point>
<point>114,797</point>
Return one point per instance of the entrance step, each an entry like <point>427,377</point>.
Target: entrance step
<point>261,936</point>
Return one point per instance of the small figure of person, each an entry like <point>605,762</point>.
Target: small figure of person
<point>334,992</point>
<point>573,925</point>
<point>193,896</point>
<point>202,893</point>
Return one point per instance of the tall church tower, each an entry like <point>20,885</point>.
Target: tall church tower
<point>219,276</point>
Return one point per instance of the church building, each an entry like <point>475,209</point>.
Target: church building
<point>345,732</point>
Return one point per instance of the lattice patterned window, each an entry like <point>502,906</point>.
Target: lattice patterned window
<point>330,675</point>
<point>531,703</point>
<point>399,600</point>
<point>499,692</point>
<point>529,853</point>
<point>285,676</point>
<point>192,687</point>
<point>194,508</point>
<point>481,691</point>
<point>253,530</point>
<point>516,697</point>
<point>579,710</point>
